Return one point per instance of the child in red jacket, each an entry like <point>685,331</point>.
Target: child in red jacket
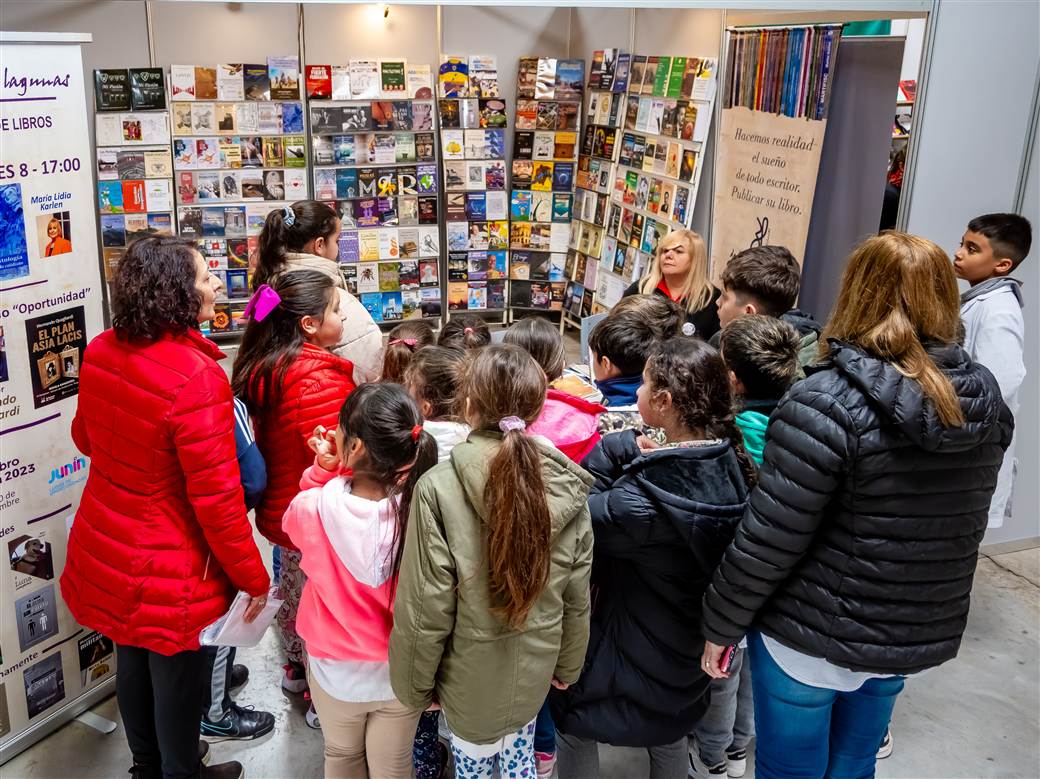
<point>291,383</point>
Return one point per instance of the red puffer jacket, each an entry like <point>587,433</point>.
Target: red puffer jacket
<point>313,392</point>
<point>161,540</point>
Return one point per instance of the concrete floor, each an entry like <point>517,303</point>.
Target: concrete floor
<point>975,717</point>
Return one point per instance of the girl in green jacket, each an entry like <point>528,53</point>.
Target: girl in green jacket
<point>493,597</point>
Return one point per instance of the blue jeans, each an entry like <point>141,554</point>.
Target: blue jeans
<point>545,731</point>
<point>808,732</point>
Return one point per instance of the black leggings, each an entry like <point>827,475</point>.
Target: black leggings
<point>159,700</point>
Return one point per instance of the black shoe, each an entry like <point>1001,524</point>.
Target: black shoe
<point>141,771</point>
<point>203,752</point>
<point>238,723</point>
<point>239,675</point>
<point>229,770</point>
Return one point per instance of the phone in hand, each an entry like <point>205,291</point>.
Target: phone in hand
<point>729,656</point>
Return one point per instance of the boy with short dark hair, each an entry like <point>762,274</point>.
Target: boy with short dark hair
<point>765,280</point>
<point>619,346</point>
<point>991,248</point>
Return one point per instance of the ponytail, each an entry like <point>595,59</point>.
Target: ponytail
<point>425,458</point>
<point>405,340</point>
<point>505,389</point>
<point>465,331</point>
<point>289,229</point>
<point>519,536</point>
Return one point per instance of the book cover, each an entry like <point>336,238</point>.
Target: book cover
<point>526,114</point>
<point>545,83</point>
<point>406,181</point>
<point>485,83</point>
<point>295,184</point>
<point>205,83</point>
<point>677,71</point>
<point>207,153</point>
<point>419,82</point>
<point>295,154</point>
<point>542,176</point>
<point>382,115</point>
<point>392,82</point>
<point>477,296</point>
<point>404,147</point>
<point>475,175</point>
<point>182,118</point>
<point>292,117</point>
<point>561,207</point>
<point>690,70</point>
<point>339,82</point>
<point>570,78</point>
<point>449,113</point>
<point>458,295</point>
<point>567,116</point>
<point>230,85</point>
<point>256,81</point>
<point>373,303</point>
<point>622,73</point>
<point>207,186</point>
<point>182,82</point>
<point>401,112</point>
<point>247,117</point>
<point>269,117</point>
<point>147,89</point>
<point>474,147</point>
<point>203,118</point>
<point>495,144</point>
<point>110,197</point>
<point>547,116</point>
<point>357,117</point>
<point>225,116</point>
<point>274,185</point>
<point>422,116</point>
<point>469,113</point>
<point>564,145</point>
<point>453,77</point>
<point>655,118</point>
<point>541,145</point>
<point>492,113</point>
<point>661,76</point>
<point>319,82</point>
<point>649,75</point>
<point>157,163</point>
<point>606,76</point>
<point>495,175</point>
<point>527,77</point>
<point>158,195</point>
<point>184,153</point>
<point>596,69</point>
<point>636,73</point>
<point>453,144</point>
<point>284,73</point>
<point>670,118</point>
<point>541,206</point>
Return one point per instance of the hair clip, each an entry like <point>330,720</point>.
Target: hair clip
<point>467,331</point>
<point>689,328</point>
<point>415,432</point>
<point>288,216</point>
<point>409,342</point>
<point>262,303</point>
<point>509,424</point>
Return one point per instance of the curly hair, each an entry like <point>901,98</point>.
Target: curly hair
<point>154,289</point>
<point>697,379</point>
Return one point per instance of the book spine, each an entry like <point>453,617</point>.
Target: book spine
<point>830,53</point>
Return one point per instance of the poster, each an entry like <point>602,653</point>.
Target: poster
<point>50,308</point>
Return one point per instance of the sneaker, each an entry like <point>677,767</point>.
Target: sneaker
<point>736,763</point>
<point>239,723</point>
<point>545,763</point>
<point>699,769</point>
<point>295,678</point>
<point>311,715</point>
<point>886,745</point>
<point>239,675</point>
<point>229,770</point>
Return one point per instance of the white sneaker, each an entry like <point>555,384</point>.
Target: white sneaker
<point>701,770</point>
<point>886,745</point>
<point>736,763</point>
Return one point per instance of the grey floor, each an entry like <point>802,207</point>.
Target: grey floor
<point>977,716</point>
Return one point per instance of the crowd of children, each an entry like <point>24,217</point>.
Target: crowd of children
<point>481,545</point>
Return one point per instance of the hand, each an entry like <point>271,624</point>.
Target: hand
<point>558,684</point>
<point>434,706</point>
<point>256,605</point>
<point>323,443</point>
<point>711,661</point>
<point>643,442</point>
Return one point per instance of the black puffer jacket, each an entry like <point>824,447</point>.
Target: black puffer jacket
<point>661,523</point>
<point>860,541</point>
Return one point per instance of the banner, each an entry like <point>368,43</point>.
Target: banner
<point>50,306</point>
<point>770,138</point>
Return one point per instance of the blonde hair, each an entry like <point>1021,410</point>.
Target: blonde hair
<point>897,292</point>
<point>695,293</point>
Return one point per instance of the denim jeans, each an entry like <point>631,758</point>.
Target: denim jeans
<point>806,732</point>
<point>545,731</point>
<point>729,723</point>
<point>579,759</point>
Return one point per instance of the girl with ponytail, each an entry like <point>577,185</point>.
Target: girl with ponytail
<point>493,600</point>
<point>662,517</point>
<point>305,236</point>
<point>349,522</point>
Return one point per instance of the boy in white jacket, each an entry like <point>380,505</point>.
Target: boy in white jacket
<point>991,248</point>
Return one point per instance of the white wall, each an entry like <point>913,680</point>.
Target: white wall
<point>985,54</point>
<point>334,34</point>
<point>211,33</point>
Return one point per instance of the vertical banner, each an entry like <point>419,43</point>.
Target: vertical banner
<point>50,306</point>
<point>771,134</point>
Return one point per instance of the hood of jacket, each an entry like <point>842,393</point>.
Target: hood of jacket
<point>753,424</point>
<point>360,531</point>
<point>801,321</point>
<point>994,286</point>
<point>304,261</point>
<point>472,459</point>
<point>901,399</point>
<point>566,419</point>
<point>447,434</point>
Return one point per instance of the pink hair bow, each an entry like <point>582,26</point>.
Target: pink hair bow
<point>409,342</point>
<point>262,303</point>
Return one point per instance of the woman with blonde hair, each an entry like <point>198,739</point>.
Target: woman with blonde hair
<point>679,272</point>
<point>852,566</point>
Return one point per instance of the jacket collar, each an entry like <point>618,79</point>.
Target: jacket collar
<point>989,286</point>
<point>621,390</point>
<point>193,337</point>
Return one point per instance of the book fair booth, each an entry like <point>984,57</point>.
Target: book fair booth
<point>504,159</point>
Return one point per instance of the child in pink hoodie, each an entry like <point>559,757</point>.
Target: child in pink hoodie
<point>568,421</point>
<point>349,524</point>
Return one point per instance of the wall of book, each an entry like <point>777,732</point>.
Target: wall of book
<point>668,107</point>
<point>548,107</point>
<point>473,121</point>
<point>239,151</point>
<point>374,158</point>
<point>608,82</point>
<point>134,168</point>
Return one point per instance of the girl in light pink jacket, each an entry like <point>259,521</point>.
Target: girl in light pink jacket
<point>349,523</point>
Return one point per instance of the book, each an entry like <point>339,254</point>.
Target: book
<point>567,116</point>
<point>527,77</point>
<point>419,82</point>
<point>542,146</point>
<point>421,116</point>
<point>203,118</point>
<point>492,113</point>
<point>562,177</point>
<point>690,71</point>
<point>542,176</point>
<point>158,195</point>
<point>364,79</point>
<point>596,69</point>
<point>147,89</point>
<point>392,82</point>
<point>110,197</point>
<point>205,83</point>
<point>292,117</point>
<point>649,75</point>
<point>526,114</point>
<point>284,73</point>
<point>469,113</point>
<point>545,83</point>
<point>338,82</point>
<point>673,87</point>
<point>570,79</point>
<point>622,73</point>
<point>547,116</point>
<point>453,77</point>
<point>256,82</point>
<point>269,117</point>
<point>157,163</point>
<point>660,85</point>
<point>230,84</point>
<point>247,117</point>
<point>318,79</point>
<point>565,144</point>
<point>182,82</point>
<point>636,71</point>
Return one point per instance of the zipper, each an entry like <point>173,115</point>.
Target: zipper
<point>205,571</point>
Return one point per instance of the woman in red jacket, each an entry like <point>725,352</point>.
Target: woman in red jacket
<point>292,382</point>
<point>161,541</point>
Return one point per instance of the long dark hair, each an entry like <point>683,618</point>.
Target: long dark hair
<point>154,289</point>
<point>269,347</point>
<point>696,377</point>
<point>434,375</point>
<point>311,219</point>
<point>541,339</point>
<point>404,341</point>
<point>505,381</point>
<point>386,420</point>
